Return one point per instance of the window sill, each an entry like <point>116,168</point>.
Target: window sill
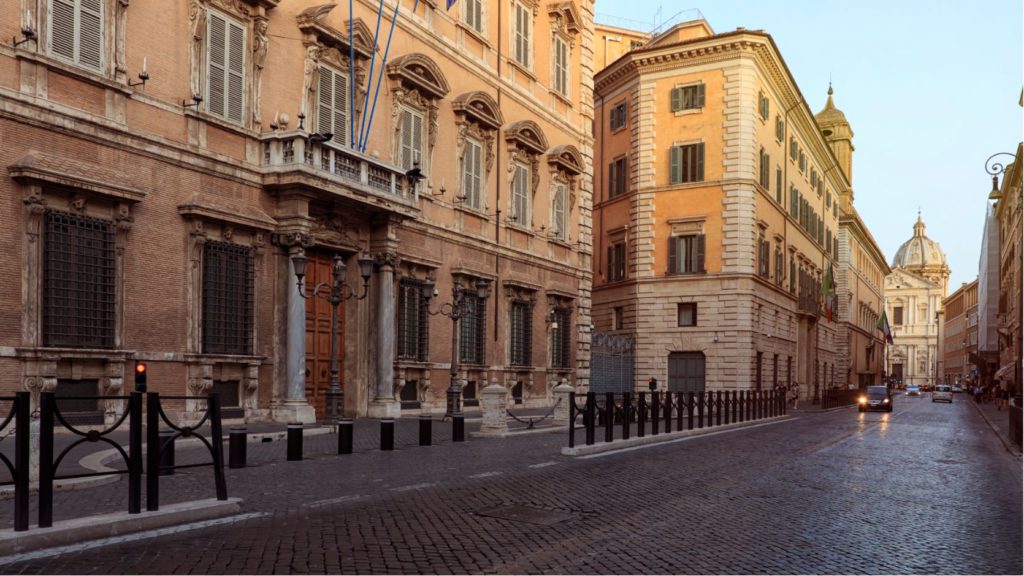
<point>477,212</point>
<point>563,97</point>
<point>221,123</point>
<point>687,111</point>
<point>73,70</point>
<point>206,357</point>
<point>95,353</point>
<point>561,242</point>
<point>686,273</point>
<point>478,36</point>
<point>522,68</point>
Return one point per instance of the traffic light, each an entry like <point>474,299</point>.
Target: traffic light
<point>140,376</point>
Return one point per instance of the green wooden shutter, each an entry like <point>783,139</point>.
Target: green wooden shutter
<point>90,34</point>
<point>677,99</point>
<point>325,101</point>
<point>675,169</point>
<point>406,139</point>
<point>341,96</point>
<point>62,28</point>
<point>612,180</point>
<point>610,263</point>
<point>700,253</point>
<point>673,254</point>
<point>700,95</point>
<point>216,56</point>
<point>700,163</point>
<point>235,72</point>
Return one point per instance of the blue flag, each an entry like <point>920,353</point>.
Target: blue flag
<point>450,3</point>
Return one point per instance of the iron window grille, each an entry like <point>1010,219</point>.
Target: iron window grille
<point>473,329</point>
<point>413,327</point>
<point>561,338</point>
<point>227,298</point>
<point>521,327</point>
<point>78,282</point>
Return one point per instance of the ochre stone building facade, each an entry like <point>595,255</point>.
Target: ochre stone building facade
<point>716,214</point>
<point>156,222</point>
<point>960,334</point>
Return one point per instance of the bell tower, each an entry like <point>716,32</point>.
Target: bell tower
<point>838,134</point>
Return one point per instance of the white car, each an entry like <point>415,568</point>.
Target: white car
<point>913,390</point>
<point>943,393</point>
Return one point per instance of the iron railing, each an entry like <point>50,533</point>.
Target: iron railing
<point>836,397</point>
<point>20,415</point>
<point>156,445</point>
<point>698,410</point>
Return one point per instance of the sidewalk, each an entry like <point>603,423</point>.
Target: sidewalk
<point>998,420</point>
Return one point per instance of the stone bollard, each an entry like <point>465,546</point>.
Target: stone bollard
<point>494,405</point>
<point>561,394</point>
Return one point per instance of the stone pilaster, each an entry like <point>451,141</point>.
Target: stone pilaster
<point>384,404</point>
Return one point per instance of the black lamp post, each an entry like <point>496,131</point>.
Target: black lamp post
<point>454,310</point>
<point>994,169</point>
<point>338,293</point>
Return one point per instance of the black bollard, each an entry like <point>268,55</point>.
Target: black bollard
<point>700,410</point>
<point>345,430</point>
<point>626,409</point>
<point>294,442</point>
<point>426,429</point>
<point>166,452</point>
<point>387,435</point>
<point>236,448</point>
<point>689,411</point>
<point>641,414</point>
<point>590,418</point>
<point>609,416</point>
<point>718,408</point>
<point>458,427</point>
<point>655,412</point>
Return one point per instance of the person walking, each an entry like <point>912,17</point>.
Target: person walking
<point>794,394</point>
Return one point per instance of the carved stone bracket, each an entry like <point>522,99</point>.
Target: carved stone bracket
<point>293,239</point>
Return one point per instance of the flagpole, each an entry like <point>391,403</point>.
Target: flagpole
<point>369,79</point>
<point>380,76</point>
<point>351,75</point>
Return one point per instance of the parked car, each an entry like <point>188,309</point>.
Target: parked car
<point>957,389</point>
<point>875,398</point>
<point>943,393</point>
<point>913,390</point>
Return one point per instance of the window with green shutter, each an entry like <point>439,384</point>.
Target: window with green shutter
<point>521,196</point>
<point>778,185</point>
<point>522,35</point>
<point>472,173</point>
<point>686,163</point>
<point>764,177</point>
<point>225,68</point>
<point>687,97</point>
<point>76,32</point>
<point>474,14</point>
<point>332,104</point>
<point>617,262</point>
<point>558,212</point>
<point>560,71</point>
<point>686,254</point>
<point>618,174</point>
<point>411,139</point>
<point>780,128</point>
<point>619,115</point>
<point>794,149</point>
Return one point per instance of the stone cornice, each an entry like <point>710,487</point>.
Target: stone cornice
<point>65,172</point>
<point>863,235</point>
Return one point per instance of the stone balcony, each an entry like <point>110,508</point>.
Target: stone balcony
<point>291,160</point>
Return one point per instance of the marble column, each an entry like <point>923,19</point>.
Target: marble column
<point>295,408</point>
<point>384,404</point>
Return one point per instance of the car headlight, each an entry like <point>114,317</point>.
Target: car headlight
<point>886,401</point>
<point>862,400</point>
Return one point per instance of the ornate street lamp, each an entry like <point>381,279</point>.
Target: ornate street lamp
<point>454,310</point>
<point>995,169</point>
<point>338,292</point>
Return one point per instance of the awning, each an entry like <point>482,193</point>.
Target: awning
<point>1006,372</point>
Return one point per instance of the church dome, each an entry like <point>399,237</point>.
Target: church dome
<point>920,251</point>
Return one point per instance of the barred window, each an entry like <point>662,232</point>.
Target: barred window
<point>227,298</point>
<point>561,338</point>
<point>78,282</point>
<point>473,329</point>
<point>413,327</point>
<point>521,328</point>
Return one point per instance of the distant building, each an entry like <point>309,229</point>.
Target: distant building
<point>715,217</point>
<point>960,334</point>
<point>1009,203</point>
<point>913,300</point>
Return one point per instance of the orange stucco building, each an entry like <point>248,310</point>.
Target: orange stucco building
<point>716,214</point>
<point>156,222</point>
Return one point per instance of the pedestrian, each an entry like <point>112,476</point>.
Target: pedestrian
<point>1003,400</point>
<point>794,394</point>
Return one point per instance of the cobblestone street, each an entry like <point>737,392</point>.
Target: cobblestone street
<point>921,490</point>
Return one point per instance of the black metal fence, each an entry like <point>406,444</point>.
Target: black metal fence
<point>656,412</point>
<point>156,445</point>
<point>19,415</point>
<point>836,397</point>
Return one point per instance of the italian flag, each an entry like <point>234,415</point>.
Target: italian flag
<point>883,325</point>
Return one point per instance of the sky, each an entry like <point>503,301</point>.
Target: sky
<point>930,88</point>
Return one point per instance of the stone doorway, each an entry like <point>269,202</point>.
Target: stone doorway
<point>318,334</point>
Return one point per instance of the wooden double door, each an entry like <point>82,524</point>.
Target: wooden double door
<point>318,334</point>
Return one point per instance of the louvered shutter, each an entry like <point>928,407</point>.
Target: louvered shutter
<point>467,174</point>
<point>478,174</point>
<point>675,169</point>
<point>62,28</point>
<point>700,96</point>
<point>216,40</point>
<point>673,254</point>
<point>341,100</point>
<point>559,211</point>
<point>526,37</point>
<point>325,101</point>
<point>700,253</point>
<point>611,263</point>
<point>90,33</point>
<point>235,72</point>
<point>677,99</point>
<point>612,180</point>
<point>406,139</point>
<point>700,163</point>
<point>417,138</point>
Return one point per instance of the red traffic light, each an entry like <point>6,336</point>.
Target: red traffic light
<point>140,368</point>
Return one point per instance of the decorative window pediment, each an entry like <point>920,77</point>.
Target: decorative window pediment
<point>566,165</point>
<point>421,73</point>
<point>311,23</point>
<point>479,107</point>
<point>565,18</point>
<point>526,143</point>
<point>527,135</point>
